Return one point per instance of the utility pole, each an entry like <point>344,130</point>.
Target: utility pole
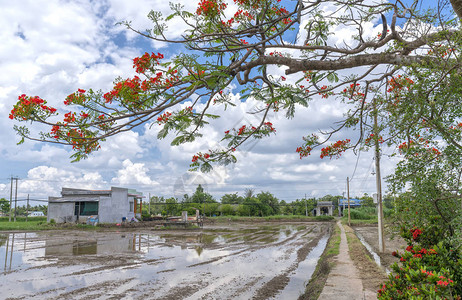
<point>11,200</point>
<point>27,207</point>
<point>378,181</point>
<point>149,205</point>
<point>348,196</point>
<point>306,207</point>
<point>15,198</point>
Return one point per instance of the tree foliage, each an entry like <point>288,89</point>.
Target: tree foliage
<point>239,43</point>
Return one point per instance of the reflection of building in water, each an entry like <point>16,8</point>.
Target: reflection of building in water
<point>117,244</point>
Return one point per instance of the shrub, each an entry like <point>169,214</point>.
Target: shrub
<point>362,214</point>
<point>425,271</point>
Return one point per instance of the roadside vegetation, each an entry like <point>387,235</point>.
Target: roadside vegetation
<point>325,263</point>
<point>37,223</point>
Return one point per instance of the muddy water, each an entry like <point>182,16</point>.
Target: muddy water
<point>228,262</point>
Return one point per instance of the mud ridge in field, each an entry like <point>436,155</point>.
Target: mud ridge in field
<point>278,283</point>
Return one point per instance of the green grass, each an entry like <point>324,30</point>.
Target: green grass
<point>333,248</point>
<point>358,222</point>
<point>30,225</point>
<point>23,219</point>
<point>314,287</point>
<point>38,223</point>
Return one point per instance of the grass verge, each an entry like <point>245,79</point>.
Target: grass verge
<point>314,287</point>
<point>358,222</point>
<point>370,273</point>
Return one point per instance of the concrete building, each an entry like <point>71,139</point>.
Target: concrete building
<point>324,208</point>
<point>109,206</point>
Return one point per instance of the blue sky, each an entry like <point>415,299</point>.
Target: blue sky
<point>51,48</point>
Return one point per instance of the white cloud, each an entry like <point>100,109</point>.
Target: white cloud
<point>133,174</point>
<point>51,48</point>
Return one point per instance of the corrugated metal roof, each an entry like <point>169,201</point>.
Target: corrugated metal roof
<point>74,199</point>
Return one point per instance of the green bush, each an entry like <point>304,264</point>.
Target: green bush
<point>387,213</point>
<point>362,214</point>
<point>425,271</point>
<point>324,218</point>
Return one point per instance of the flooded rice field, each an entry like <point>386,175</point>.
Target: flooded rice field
<point>235,261</point>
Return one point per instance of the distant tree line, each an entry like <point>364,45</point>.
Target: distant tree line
<point>250,204</point>
<point>20,210</point>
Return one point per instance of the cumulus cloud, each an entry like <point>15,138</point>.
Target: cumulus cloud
<point>51,48</point>
<point>133,174</point>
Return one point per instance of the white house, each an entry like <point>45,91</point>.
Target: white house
<point>36,214</point>
<point>109,206</point>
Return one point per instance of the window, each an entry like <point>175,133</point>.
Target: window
<point>86,208</point>
<point>132,206</point>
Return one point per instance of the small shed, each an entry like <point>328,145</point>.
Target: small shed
<point>108,206</point>
<point>324,208</point>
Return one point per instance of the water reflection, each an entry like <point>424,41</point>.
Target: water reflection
<point>372,252</point>
<point>231,263</point>
<point>101,245</point>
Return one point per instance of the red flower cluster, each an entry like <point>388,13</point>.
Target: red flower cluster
<point>26,105</point>
<point>353,92</point>
<point>371,136</point>
<point>415,232</point>
<point>241,130</point>
<point>270,127</point>
<point>69,117</point>
<point>77,97</point>
<point>254,4</point>
<point>281,12</point>
<point>397,83</point>
<point>435,151</point>
<point>444,281</point>
<point>132,86</point>
<point>130,89</point>
<point>303,151</point>
<point>163,118</point>
<point>405,146</point>
<point>335,149</point>
<point>55,131</point>
<point>146,61</point>
<point>324,93</point>
<point>275,53</point>
<point>210,8</point>
<point>240,15</point>
<point>200,155</point>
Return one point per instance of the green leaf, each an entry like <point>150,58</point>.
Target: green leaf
<point>332,77</point>
<point>178,140</point>
<point>162,133</point>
